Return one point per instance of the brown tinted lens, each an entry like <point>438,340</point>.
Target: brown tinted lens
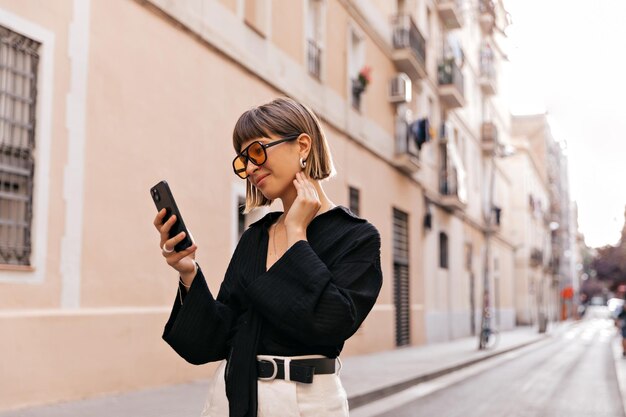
<point>256,153</point>
<point>240,166</point>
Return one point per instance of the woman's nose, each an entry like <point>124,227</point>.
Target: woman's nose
<point>250,167</point>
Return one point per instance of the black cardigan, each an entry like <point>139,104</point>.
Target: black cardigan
<point>309,301</point>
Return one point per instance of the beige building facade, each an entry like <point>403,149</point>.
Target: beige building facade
<point>535,296</point>
<point>115,96</point>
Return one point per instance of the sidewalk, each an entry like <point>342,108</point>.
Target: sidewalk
<point>620,368</point>
<point>366,378</point>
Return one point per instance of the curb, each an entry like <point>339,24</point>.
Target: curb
<point>363,399</point>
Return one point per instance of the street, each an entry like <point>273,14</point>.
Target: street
<point>571,374</point>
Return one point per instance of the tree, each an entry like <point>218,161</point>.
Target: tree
<point>610,262</point>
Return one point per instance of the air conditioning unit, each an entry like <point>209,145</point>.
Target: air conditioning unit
<point>400,89</point>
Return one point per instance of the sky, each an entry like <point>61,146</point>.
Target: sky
<point>568,58</point>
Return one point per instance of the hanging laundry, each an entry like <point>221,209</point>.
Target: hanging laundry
<point>420,131</point>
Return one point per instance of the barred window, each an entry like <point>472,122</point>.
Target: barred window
<point>401,282</point>
<point>19,58</point>
<point>443,250</point>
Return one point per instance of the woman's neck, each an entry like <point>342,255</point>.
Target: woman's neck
<point>326,203</point>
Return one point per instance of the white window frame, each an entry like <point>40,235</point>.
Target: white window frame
<point>238,190</point>
<point>35,274</point>
<point>354,31</point>
<point>320,38</point>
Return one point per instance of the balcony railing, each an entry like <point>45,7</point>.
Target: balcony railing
<point>451,84</point>
<point>487,79</point>
<point>314,59</point>
<point>409,47</point>
<point>450,13</point>
<point>449,189</point>
<point>447,182</point>
<point>406,156</point>
<point>357,91</point>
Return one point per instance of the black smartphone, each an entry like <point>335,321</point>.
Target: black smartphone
<point>163,199</point>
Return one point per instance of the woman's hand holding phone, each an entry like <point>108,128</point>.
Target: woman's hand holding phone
<point>182,261</point>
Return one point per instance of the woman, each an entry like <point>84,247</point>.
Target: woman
<point>299,283</point>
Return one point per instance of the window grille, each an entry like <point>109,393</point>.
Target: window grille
<point>19,59</point>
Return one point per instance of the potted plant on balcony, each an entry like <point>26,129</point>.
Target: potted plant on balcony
<point>445,70</point>
<point>362,80</point>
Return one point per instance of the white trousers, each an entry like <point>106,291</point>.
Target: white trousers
<point>279,398</point>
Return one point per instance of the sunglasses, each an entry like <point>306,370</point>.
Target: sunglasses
<point>255,153</point>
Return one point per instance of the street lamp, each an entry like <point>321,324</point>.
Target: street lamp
<point>499,151</point>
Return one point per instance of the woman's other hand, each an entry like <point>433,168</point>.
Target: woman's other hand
<point>303,210</point>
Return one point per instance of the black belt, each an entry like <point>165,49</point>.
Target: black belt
<point>300,370</point>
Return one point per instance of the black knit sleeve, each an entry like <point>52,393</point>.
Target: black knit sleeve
<point>198,329</point>
<point>319,304</point>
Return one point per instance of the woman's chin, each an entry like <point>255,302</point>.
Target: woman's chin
<point>268,195</point>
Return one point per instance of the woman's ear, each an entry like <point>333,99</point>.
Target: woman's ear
<point>304,145</point>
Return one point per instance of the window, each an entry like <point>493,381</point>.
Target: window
<point>468,256</point>
<point>443,250</point>
<point>255,15</point>
<point>19,58</point>
<point>241,218</point>
<point>315,29</point>
<point>356,63</point>
<point>354,200</point>
<point>401,276</point>
<point>401,6</point>
<point>444,182</point>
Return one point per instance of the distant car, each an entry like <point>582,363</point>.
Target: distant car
<point>597,301</point>
<point>615,306</point>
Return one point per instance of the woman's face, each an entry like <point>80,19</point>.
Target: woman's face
<point>278,171</point>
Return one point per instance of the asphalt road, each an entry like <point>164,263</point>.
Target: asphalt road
<point>572,374</point>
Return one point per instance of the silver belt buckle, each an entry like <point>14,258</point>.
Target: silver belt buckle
<point>273,362</point>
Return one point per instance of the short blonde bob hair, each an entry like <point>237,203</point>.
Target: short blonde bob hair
<point>283,117</point>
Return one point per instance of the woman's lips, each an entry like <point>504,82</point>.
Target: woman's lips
<point>262,180</point>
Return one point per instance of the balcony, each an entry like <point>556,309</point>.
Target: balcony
<point>449,190</point>
<point>536,258</point>
<point>450,13</point>
<point>487,16</point>
<point>489,137</point>
<point>357,90</point>
<point>488,83</point>
<point>406,157</point>
<point>487,77</point>
<point>451,86</point>
<point>409,47</point>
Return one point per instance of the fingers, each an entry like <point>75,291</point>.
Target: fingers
<point>305,188</point>
<point>175,257</point>
<point>170,244</point>
<point>159,219</point>
<point>165,229</point>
